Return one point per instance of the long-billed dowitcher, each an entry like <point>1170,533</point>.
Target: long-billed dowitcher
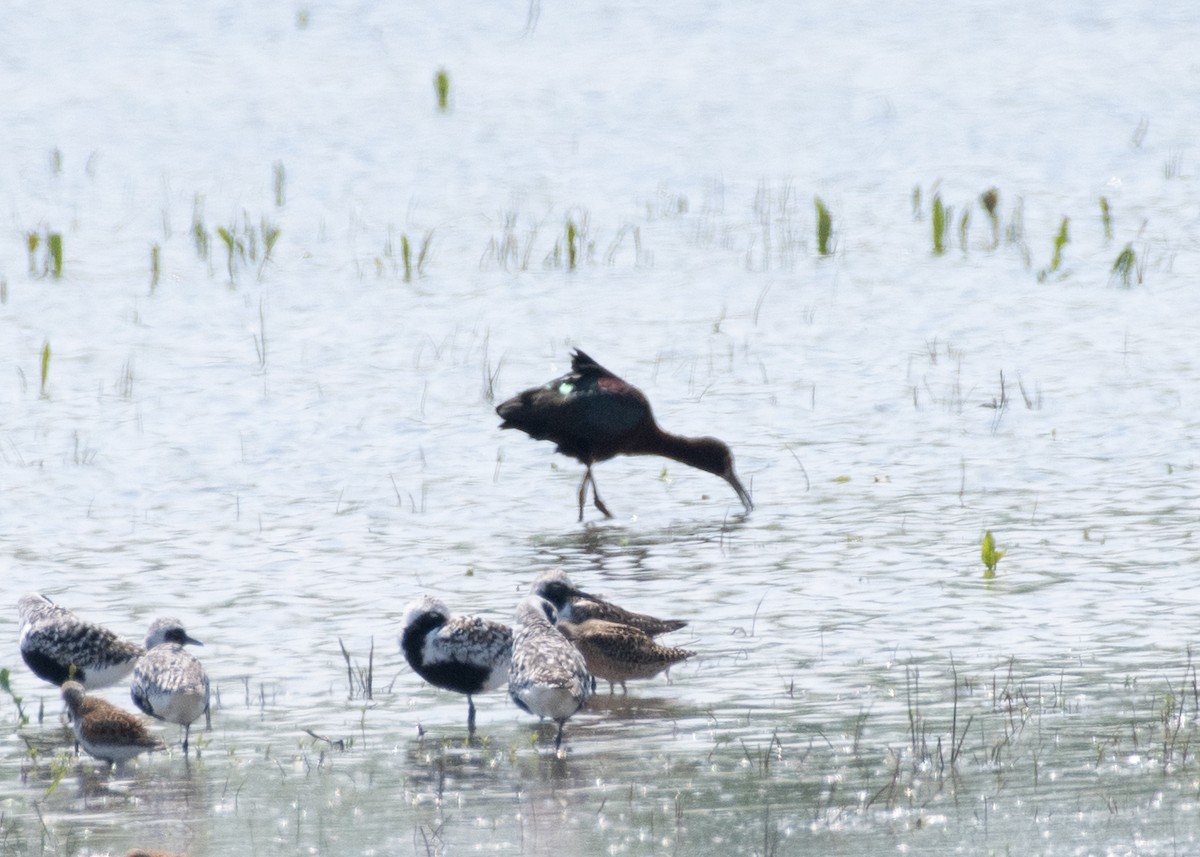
<point>575,605</point>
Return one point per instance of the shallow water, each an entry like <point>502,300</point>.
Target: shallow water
<point>285,457</point>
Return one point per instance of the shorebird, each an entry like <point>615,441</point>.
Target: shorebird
<point>464,654</point>
<point>105,731</point>
<point>592,415</point>
<point>618,653</point>
<point>548,676</point>
<point>169,682</point>
<point>57,645</point>
<point>575,605</point>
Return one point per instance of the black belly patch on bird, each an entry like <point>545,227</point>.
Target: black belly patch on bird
<point>456,676</point>
<point>48,669</point>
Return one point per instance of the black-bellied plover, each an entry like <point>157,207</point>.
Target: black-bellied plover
<point>169,682</point>
<point>618,653</point>
<point>575,605</point>
<point>109,733</point>
<point>57,645</point>
<point>548,676</point>
<point>465,654</point>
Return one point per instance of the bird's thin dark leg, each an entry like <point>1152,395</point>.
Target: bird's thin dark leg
<point>470,715</point>
<point>587,475</point>
<point>558,738</point>
<point>596,494</point>
<point>187,730</point>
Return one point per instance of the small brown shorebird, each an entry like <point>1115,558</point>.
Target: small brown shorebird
<point>548,676</point>
<point>464,654</point>
<point>618,653</point>
<point>169,683</point>
<point>592,415</point>
<point>57,645</point>
<point>575,605</point>
<point>109,733</point>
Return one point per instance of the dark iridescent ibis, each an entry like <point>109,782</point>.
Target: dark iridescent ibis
<point>592,415</point>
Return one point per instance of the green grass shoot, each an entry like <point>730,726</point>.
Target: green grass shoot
<point>406,255</point>
<point>939,225</point>
<point>991,556</point>
<point>227,238</point>
<point>990,200</point>
<point>155,254</point>
<point>423,254</point>
<point>280,184</point>
<point>441,83</point>
<point>1060,241</point>
<point>1106,217</point>
<point>199,232</point>
<point>32,241</point>
<point>45,366</point>
<point>916,202</point>
<point>55,243</point>
<point>824,227</point>
<point>270,234</point>
<point>6,686</point>
<point>572,245</point>
<point>1125,266</point>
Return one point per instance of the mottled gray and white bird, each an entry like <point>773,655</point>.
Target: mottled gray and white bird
<point>169,682</point>
<point>57,645</point>
<point>575,605</point>
<point>618,653</point>
<point>548,676</point>
<point>107,732</point>
<point>465,654</point>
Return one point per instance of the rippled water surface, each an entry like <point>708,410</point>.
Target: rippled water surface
<point>282,449</point>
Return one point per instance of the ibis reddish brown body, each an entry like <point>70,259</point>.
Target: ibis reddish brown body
<point>592,415</point>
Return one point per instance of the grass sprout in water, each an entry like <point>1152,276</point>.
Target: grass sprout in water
<point>1127,266</point>
<point>824,226</point>
<point>990,555</point>
<point>940,223</point>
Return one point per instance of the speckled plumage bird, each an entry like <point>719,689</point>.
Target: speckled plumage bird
<point>592,415</point>
<point>575,605</point>
<point>57,645</point>
<point>618,653</point>
<point>169,682</point>
<point>548,676</point>
<point>107,732</point>
<point>465,654</point>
